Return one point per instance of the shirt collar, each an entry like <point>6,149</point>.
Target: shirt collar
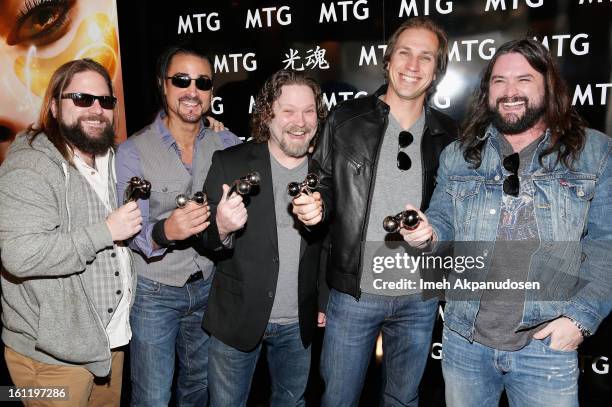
<point>494,133</point>
<point>166,138</point>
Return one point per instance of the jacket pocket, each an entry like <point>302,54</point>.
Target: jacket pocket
<point>163,195</point>
<point>576,196</point>
<point>355,162</point>
<point>227,282</point>
<point>464,191</point>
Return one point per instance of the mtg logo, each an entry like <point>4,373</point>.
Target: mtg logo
<point>410,9</point>
<point>216,105</point>
<point>200,22</point>
<point>594,1</point>
<point>501,4</point>
<point>238,61</point>
<point>585,96</point>
<point>576,45</point>
<point>355,9</point>
<point>282,15</point>
<point>597,364</point>
<point>334,98</point>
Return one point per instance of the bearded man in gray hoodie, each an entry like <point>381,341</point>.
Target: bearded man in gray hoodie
<point>68,282</point>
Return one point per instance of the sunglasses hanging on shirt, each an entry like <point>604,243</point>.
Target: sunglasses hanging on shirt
<point>511,182</point>
<point>404,139</point>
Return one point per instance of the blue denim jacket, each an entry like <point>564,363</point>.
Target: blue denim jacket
<point>572,210</point>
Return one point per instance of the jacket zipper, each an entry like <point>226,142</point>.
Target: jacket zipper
<point>364,228</point>
<point>357,165</point>
<point>424,185</point>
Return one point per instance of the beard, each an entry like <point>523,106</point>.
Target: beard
<point>295,149</point>
<point>82,141</point>
<point>187,116</point>
<point>512,123</point>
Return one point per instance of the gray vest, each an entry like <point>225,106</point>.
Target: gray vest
<point>164,169</point>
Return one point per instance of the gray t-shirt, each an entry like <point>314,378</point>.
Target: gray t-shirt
<point>500,313</point>
<point>285,307</point>
<point>393,189</point>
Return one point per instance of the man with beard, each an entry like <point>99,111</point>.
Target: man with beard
<point>376,154</point>
<point>265,289</point>
<point>530,179</point>
<point>174,275</point>
<point>68,284</point>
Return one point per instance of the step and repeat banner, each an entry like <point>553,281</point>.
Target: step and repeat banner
<point>341,43</point>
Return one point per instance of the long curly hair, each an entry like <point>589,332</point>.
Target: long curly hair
<point>263,111</point>
<point>566,126</point>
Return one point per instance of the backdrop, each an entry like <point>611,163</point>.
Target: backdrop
<point>341,43</point>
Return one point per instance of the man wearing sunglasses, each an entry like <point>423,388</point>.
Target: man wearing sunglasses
<point>530,183</point>
<point>173,153</point>
<point>68,285</point>
<point>376,154</point>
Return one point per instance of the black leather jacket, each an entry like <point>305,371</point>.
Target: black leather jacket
<point>345,160</point>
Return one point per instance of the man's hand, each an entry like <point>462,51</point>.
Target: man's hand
<point>185,222</point>
<point>564,335</point>
<point>124,222</point>
<point>420,236</point>
<point>215,125</point>
<point>308,208</point>
<point>321,320</point>
<point>231,213</point>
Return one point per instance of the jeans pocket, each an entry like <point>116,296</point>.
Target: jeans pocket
<point>546,344</point>
<point>145,286</point>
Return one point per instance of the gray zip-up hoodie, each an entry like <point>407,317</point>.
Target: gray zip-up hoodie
<point>46,242</point>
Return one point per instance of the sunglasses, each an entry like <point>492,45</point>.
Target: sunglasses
<point>404,139</point>
<point>86,100</point>
<point>183,81</point>
<point>512,183</point>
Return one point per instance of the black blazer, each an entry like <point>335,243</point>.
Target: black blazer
<point>244,284</point>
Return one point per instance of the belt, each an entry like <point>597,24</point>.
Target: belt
<point>195,277</point>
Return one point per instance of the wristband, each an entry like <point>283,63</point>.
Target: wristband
<point>159,235</point>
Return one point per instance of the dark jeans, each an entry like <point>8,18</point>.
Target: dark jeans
<point>231,370</point>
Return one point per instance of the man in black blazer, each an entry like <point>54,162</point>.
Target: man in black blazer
<point>265,289</point>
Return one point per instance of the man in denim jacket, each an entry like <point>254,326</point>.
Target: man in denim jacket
<point>528,185</point>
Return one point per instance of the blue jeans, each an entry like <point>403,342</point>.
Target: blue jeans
<point>534,376</point>
<point>231,370</point>
<point>352,327</point>
<point>166,320</point>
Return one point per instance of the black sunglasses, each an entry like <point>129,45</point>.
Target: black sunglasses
<point>183,81</point>
<point>512,183</point>
<point>404,139</point>
<point>86,100</point>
